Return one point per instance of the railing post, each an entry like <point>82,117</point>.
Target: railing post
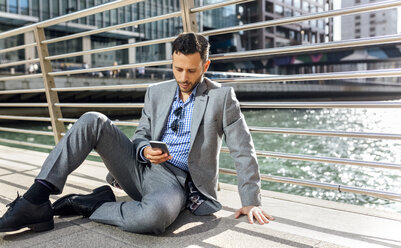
<point>189,22</point>
<point>51,96</point>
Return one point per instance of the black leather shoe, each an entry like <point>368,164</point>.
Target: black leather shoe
<point>85,205</point>
<point>22,213</point>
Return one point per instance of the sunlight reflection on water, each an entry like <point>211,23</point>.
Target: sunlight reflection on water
<point>352,120</point>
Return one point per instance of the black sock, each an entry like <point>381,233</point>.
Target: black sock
<point>39,192</point>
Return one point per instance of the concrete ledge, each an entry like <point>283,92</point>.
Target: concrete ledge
<point>300,221</point>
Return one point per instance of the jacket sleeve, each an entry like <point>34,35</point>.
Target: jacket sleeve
<point>240,144</point>
<point>142,134</point>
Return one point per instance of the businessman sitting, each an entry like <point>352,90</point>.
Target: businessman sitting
<point>192,115</point>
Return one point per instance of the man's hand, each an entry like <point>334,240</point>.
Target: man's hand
<point>155,155</point>
<point>252,211</point>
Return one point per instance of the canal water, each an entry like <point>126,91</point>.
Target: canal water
<point>355,120</point>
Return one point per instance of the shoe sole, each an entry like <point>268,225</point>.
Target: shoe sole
<point>38,227</point>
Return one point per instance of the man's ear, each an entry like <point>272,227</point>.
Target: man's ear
<point>206,66</point>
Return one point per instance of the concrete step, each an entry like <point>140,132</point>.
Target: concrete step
<point>300,221</point>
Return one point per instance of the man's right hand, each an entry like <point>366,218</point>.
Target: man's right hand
<point>155,155</point>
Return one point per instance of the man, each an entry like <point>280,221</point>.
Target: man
<point>191,114</point>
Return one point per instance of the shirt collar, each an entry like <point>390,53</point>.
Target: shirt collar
<point>193,94</point>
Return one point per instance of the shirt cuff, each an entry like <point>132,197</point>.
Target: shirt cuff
<point>142,158</point>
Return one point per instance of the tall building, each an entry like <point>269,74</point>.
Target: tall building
<point>307,32</point>
<point>368,24</point>
<point>17,13</point>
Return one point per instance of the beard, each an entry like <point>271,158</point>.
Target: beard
<point>188,86</point>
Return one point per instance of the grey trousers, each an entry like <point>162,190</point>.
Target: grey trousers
<point>158,191</point>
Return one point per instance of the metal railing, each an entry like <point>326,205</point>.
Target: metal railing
<point>187,14</point>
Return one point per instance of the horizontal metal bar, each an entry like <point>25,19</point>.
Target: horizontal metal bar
<point>15,142</point>
<point>20,63</point>
<point>324,159</point>
<point>118,123</point>
<point>6,50</point>
<point>356,104</point>
<point>24,118</point>
<point>17,31</point>
<point>104,87</point>
<point>24,105</point>
<point>16,130</point>
<point>113,48</point>
<point>110,68</point>
<point>86,12</point>
<point>272,130</point>
<point>378,40</point>
<point>68,17</point>
<point>127,123</point>
<point>115,27</point>
<point>99,105</point>
<point>218,5</point>
<point>297,19</point>
<point>6,92</point>
<point>316,76</point>
<point>329,186</point>
<point>38,75</point>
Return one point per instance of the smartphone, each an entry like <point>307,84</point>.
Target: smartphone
<point>161,145</point>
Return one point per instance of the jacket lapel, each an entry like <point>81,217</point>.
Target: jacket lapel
<point>199,109</point>
<point>164,101</point>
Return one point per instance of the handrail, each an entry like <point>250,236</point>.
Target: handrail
<point>324,159</point>
<point>336,187</point>
<point>113,48</point>
<point>21,77</point>
<point>24,105</point>
<point>6,50</point>
<point>24,118</point>
<point>351,43</point>
<point>114,27</point>
<point>99,105</point>
<point>19,63</point>
<point>105,87</point>
<point>15,142</point>
<point>310,132</point>
<point>118,123</point>
<point>5,92</point>
<point>344,104</point>
<point>17,130</point>
<point>110,68</point>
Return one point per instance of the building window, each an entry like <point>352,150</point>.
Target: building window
<point>357,17</point>
<point>13,6</point>
<point>269,7</point>
<point>278,9</point>
<point>372,15</point>
<point>24,5</point>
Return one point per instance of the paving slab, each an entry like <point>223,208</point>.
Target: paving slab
<point>300,221</point>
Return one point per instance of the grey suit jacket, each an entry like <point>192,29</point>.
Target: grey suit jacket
<point>216,114</point>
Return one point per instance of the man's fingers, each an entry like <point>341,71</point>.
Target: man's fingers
<point>237,214</point>
<point>250,217</point>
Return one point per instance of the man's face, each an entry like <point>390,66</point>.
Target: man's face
<point>188,70</point>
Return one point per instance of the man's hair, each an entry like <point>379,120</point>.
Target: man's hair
<point>190,43</point>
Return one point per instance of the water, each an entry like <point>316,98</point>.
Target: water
<point>357,120</point>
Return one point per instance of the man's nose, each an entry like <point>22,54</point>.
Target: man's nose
<point>184,76</point>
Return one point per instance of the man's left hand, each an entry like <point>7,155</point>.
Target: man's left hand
<point>252,211</point>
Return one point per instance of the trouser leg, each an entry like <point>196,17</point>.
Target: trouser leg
<point>163,199</point>
<point>94,131</point>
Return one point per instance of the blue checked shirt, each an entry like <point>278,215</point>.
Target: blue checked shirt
<point>179,142</point>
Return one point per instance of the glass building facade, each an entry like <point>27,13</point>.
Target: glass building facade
<point>16,13</point>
